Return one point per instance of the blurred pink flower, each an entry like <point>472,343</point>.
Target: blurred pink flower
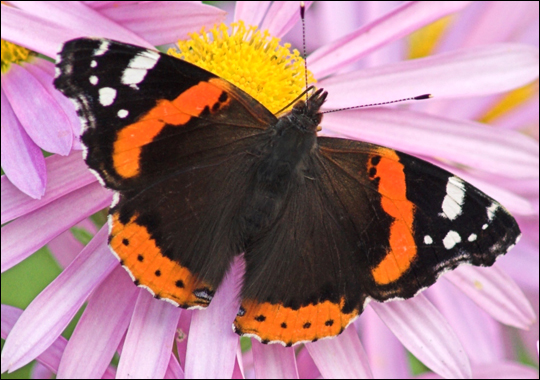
<point>361,66</point>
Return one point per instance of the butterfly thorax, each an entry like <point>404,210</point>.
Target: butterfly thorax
<point>291,143</point>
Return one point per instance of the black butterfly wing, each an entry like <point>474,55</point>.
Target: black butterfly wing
<point>365,221</point>
<point>174,141</point>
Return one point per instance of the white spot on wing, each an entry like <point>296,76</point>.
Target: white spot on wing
<point>485,226</point>
<point>93,80</point>
<point>107,96</point>
<point>122,114</point>
<point>102,49</point>
<point>93,64</point>
<point>472,237</point>
<point>428,239</point>
<point>452,202</point>
<point>491,210</point>
<point>138,67</point>
<point>451,239</point>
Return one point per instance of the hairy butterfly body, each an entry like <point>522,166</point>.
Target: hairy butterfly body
<point>203,172</point>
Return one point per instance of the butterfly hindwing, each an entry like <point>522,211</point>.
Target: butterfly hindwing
<point>173,140</point>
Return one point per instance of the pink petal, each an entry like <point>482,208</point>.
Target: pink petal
<point>521,117</point>
<point>51,35</point>
<point>282,16</point>
<point>176,19</point>
<point>476,145</point>
<point>523,264</point>
<point>65,174</point>
<point>44,121</point>
<point>51,311</point>
<point>101,327</point>
<point>496,293</point>
<point>394,25</point>
<point>181,341</point>
<point>342,357</point>
<point>480,335</point>
<point>39,371</point>
<point>306,366</point>
<point>386,354</point>
<point>149,340</point>
<point>82,19</point>
<point>273,361</point>
<point>473,72</point>
<point>24,236</point>
<point>211,348</point>
<point>174,370</point>
<point>50,358</point>
<point>22,160</point>
<point>251,12</point>
<point>44,71</point>
<point>65,247</point>
<point>426,334</point>
<point>238,372</point>
<point>505,370</point>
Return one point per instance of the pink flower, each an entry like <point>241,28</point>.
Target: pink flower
<point>503,162</point>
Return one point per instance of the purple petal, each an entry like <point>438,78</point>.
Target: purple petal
<point>524,255</point>
<point>183,330</point>
<point>426,334</point>
<point>282,16</point>
<point>251,12</point>
<point>39,371</point>
<point>394,25</point>
<point>174,370</point>
<point>176,19</point>
<point>504,370</point>
<point>496,293</point>
<point>238,371</point>
<point>385,352</point>
<point>480,335</point>
<point>306,366</point>
<point>101,327</point>
<point>65,247</point>
<point>273,361</point>
<point>211,348</point>
<point>342,357</point>
<point>149,340</point>
<point>51,311</point>
<point>24,236</point>
<point>22,159</point>
<point>473,72</point>
<point>42,118</point>
<point>44,71</point>
<point>65,174</point>
<point>82,19</point>
<point>502,152</point>
<point>520,117</point>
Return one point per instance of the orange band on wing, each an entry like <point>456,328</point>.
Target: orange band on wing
<point>148,266</point>
<point>394,202</point>
<point>275,322</point>
<point>191,103</point>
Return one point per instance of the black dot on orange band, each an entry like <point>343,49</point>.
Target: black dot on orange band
<point>260,318</point>
<point>288,344</point>
<point>265,341</point>
<point>125,241</point>
<point>329,322</point>
<point>136,282</point>
<point>314,340</point>
<point>140,258</point>
<point>122,262</point>
<point>157,296</point>
<point>158,273</point>
<point>307,325</point>
<point>179,284</point>
<point>223,97</point>
<point>283,325</point>
<point>215,107</point>
<point>375,160</point>
<point>372,172</point>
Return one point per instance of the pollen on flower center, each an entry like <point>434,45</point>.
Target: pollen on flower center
<point>250,59</point>
<point>12,53</point>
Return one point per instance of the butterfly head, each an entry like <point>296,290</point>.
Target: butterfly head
<point>306,113</point>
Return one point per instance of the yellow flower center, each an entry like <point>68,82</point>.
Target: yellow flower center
<point>12,53</point>
<point>251,60</point>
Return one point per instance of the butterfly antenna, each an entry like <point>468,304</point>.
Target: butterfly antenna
<point>296,99</point>
<point>302,16</point>
<point>420,97</point>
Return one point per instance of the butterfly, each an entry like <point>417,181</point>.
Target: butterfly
<point>202,172</point>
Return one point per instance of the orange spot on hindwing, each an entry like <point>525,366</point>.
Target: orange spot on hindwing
<point>166,278</point>
<point>392,186</point>
<point>275,322</point>
<point>178,112</point>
